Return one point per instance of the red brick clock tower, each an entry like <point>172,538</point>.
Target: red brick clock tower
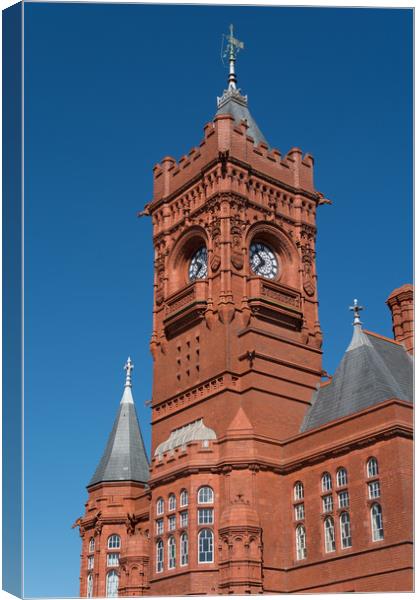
<point>236,338</point>
<point>239,496</point>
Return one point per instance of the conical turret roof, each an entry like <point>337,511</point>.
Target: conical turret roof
<point>372,370</point>
<point>125,457</point>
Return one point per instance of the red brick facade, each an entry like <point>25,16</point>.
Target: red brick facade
<point>243,354</point>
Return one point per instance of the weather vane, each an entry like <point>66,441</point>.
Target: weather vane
<point>230,48</point>
<point>356,308</point>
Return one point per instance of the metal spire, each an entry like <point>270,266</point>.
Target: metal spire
<point>128,367</point>
<point>232,48</point>
<point>356,308</point>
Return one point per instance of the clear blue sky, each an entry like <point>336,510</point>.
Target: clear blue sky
<point>109,91</point>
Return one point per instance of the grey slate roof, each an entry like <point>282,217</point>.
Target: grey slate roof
<point>125,457</point>
<point>233,103</point>
<point>372,370</point>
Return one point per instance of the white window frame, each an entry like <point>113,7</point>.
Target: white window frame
<point>183,518</point>
<point>205,516</point>
<point>183,498</point>
<point>345,530</point>
<point>205,495</point>
<point>111,587</point>
<point>341,503</point>
<point>372,467</point>
<point>160,506</point>
<point>327,503</point>
<point>326,482</point>
<point>299,512</point>
<point>113,559</point>
<point>91,545</point>
<point>329,535</point>
<point>374,489</point>
<point>342,477</point>
<point>184,549</point>
<point>301,552</point>
<point>172,523</point>
<point>160,556</point>
<point>91,562</point>
<point>377,523</point>
<point>89,586</point>
<point>114,542</point>
<point>160,526</point>
<point>171,552</point>
<point>172,502</point>
<point>299,491</point>
<point>202,546</point>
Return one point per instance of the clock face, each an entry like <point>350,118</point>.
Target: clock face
<point>263,261</point>
<point>198,265</point>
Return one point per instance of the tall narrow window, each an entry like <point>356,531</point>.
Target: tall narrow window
<point>329,535</point>
<point>90,562</point>
<point>374,489</point>
<point>160,506</point>
<point>327,503</point>
<point>159,526</point>
<point>326,482</point>
<point>345,530</point>
<point>377,523</point>
<point>300,542</point>
<point>183,518</point>
<point>341,477</point>
<point>91,545</point>
<point>159,556</point>
<point>114,541</point>
<point>172,502</point>
<point>299,512</point>
<point>184,549</point>
<point>205,546</point>
<point>343,499</point>
<point>298,490</point>
<point>372,467</point>
<point>205,495</point>
<point>171,553</point>
<point>112,584</point>
<point>205,516</point>
<point>89,591</point>
<point>183,499</point>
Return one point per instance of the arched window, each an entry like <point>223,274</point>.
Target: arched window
<point>171,553</point>
<point>172,502</point>
<point>372,467</point>
<point>341,477</point>
<point>112,584</point>
<point>184,549</point>
<point>183,500</point>
<point>299,492</point>
<point>300,542</point>
<point>91,545</point>
<point>89,590</point>
<point>159,556</point>
<point>160,506</point>
<point>205,495</point>
<point>345,530</point>
<point>326,482</point>
<point>114,541</point>
<point>377,523</point>
<point>329,534</point>
<point>205,546</point>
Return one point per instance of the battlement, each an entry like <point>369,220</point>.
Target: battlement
<point>227,143</point>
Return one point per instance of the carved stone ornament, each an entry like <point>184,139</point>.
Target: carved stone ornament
<point>308,285</point>
<point>237,260</point>
<point>131,523</point>
<point>215,262</point>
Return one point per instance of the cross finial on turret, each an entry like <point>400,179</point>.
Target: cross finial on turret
<point>231,49</point>
<point>128,367</point>
<point>356,308</point>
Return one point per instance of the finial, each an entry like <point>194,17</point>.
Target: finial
<point>356,308</point>
<point>128,367</point>
<point>232,48</point>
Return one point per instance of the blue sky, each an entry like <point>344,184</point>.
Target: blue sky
<point>109,91</point>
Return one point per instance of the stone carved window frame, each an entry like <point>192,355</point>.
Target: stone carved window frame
<point>183,250</point>
<point>284,248</point>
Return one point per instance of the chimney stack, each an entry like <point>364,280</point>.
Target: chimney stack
<point>400,303</point>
